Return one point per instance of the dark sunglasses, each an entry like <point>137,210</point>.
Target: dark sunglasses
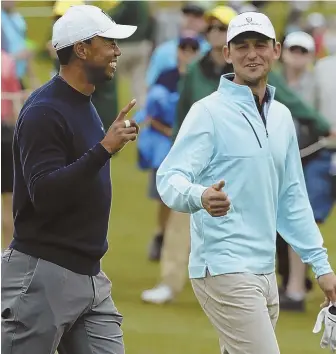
<point>193,46</point>
<point>297,48</point>
<point>220,28</point>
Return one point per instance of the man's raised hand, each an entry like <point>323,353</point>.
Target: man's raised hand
<point>121,131</point>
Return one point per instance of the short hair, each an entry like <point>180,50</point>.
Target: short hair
<point>65,54</point>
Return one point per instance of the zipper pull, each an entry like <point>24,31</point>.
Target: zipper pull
<point>266,133</point>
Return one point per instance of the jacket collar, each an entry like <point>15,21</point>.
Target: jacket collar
<point>240,92</point>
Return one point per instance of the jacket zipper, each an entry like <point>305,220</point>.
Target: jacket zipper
<point>255,134</point>
<point>262,114</point>
<point>264,121</point>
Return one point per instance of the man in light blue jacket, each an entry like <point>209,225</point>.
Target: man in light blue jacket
<point>242,136</point>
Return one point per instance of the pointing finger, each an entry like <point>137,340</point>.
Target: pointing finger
<point>123,113</point>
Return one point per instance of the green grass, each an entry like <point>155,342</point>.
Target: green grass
<point>181,327</point>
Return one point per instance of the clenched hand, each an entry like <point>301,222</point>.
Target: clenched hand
<point>215,201</point>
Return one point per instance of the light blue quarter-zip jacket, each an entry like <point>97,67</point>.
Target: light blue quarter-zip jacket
<point>224,138</point>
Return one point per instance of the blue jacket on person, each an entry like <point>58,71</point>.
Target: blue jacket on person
<point>152,145</point>
<point>223,137</point>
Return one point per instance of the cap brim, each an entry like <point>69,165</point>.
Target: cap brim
<point>259,31</point>
<point>119,32</point>
<point>298,43</point>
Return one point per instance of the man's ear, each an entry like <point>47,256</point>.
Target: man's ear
<point>226,54</point>
<point>81,50</point>
<point>277,51</point>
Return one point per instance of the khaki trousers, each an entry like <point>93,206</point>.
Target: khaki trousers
<point>133,65</point>
<point>243,308</point>
<point>175,251</point>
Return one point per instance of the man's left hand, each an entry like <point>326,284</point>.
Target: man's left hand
<point>327,283</point>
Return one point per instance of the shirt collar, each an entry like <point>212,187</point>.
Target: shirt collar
<point>242,92</point>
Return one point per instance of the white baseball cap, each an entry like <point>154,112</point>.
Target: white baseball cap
<point>300,39</point>
<point>81,22</point>
<point>250,22</point>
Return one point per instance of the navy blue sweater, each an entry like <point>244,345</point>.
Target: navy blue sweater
<point>62,186</point>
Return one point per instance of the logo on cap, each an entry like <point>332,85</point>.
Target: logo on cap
<point>249,19</point>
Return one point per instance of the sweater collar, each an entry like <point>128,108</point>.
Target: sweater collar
<point>64,89</point>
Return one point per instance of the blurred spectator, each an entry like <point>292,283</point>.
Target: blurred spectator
<point>295,20</point>
<point>10,86</point>
<point>325,88</point>
<point>104,98</point>
<point>242,6</point>
<point>154,141</point>
<point>164,56</point>
<point>330,36</point>
<point>167,24</point>
<point>136,49</point>
<point>316,25</point>
<point>298,57</point>
<point>14,41</point>
<point>201,79</point>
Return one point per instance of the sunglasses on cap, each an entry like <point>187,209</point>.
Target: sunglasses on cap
<point>220,28</point>
<point>296,48</point>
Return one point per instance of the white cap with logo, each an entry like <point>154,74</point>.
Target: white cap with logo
<point>82,22</point>
<point>300,39</point>
<point>250,22</point>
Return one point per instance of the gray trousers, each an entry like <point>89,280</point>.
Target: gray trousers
<point>45,308</point>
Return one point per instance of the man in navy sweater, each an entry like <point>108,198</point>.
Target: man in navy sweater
<point>54,295</point>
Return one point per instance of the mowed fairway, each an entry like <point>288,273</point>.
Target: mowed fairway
<point>180,327</point>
